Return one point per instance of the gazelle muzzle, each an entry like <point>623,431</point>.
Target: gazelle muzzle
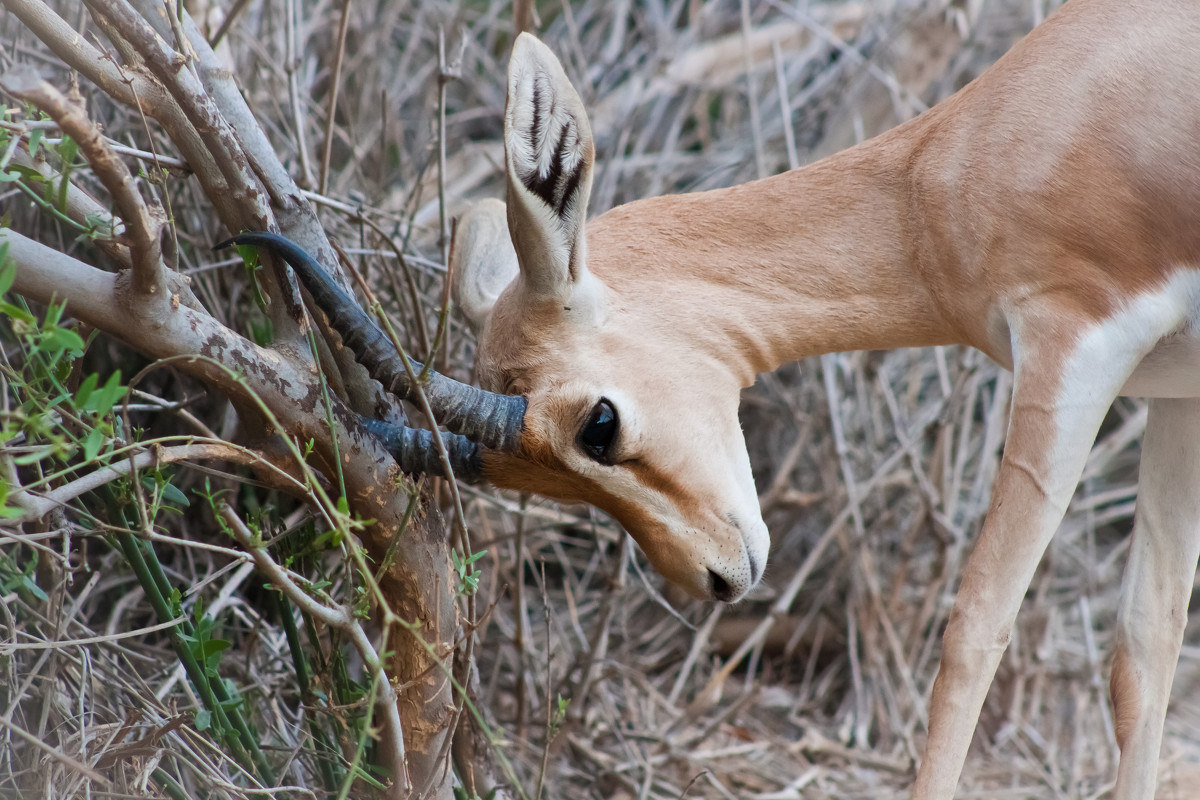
<point>475,417</point>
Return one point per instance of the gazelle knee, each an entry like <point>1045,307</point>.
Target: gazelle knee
<point>972,637</point>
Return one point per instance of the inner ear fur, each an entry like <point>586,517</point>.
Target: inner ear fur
<point>482,260</point>
<point>549,154</point>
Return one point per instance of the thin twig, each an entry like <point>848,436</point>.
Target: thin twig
<point>38,505</point>
<point>336,85</point>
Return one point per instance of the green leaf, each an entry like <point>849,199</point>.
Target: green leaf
<point>54,313</point>
<point>249,254</point>
<point>7,511</point>
<point>8,269</point>
<point>173,495</point>
<point>65,339</point>
<point>235,697</point>
<point>35,140</point>
<point>34,455</point>
<point>85,390</point>
<point>92,444</point>
<point>203,719</point>
<point>209,654</point>
<point>102,400</point>
<point>263,333</point>
<point>27,583</point>
<point>67,149</point>
<point>99,225</point>
<point>17,313</point>
<point>29,174</point>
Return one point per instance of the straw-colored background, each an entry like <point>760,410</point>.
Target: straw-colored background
<point>874,468</point>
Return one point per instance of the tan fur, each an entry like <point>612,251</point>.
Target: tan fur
<point>1124,688</point>
<point>1036,182</point>
<point>1048,214</point>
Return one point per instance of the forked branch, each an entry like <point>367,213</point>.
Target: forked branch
<point>143,223</point>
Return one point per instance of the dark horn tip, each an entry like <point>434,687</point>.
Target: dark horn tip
<point>273,241</point>
<point>264,238</point>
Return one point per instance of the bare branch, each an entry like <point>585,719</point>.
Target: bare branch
<point>56,754</point>
<point>44,274</point>
<point>523,13</point>
<point>83,208</point>
<point>132,88</point>
<point>240,172</point>
<point>143,224</point>
<point>79,54</point>
<point>162,326</point>
<point>38,505</point>
<point>170,68</point>
<point>335,86</point>
<point>165,327</point>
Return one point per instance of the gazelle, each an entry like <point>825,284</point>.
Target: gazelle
<point>1047,214</point>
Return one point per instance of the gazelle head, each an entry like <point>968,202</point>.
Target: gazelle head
<point>625,410</point>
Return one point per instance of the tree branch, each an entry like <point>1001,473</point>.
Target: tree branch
<point>132,88</point>
<point>82,208</point>
<point>39,505</point>
<point>417,584</point>
<point>143,224</point>
<point>79,54</point>
<point>169,67</point>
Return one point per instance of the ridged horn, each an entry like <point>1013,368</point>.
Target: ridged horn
<point>414,451</point>
<point>487,418</point>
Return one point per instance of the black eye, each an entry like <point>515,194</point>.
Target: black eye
<point>599,431</point>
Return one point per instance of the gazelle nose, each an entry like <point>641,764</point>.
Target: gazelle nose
<point>721,588</point>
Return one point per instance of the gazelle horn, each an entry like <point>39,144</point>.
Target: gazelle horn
<point>414,451</point>
<point>485,418</point>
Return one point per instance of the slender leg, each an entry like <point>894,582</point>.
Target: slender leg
<point>1060,397</point>
<point>1157,587</point>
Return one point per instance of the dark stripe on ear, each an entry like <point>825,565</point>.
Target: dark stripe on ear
<point>547,188</point>
<point>570,186</point>
<point>557,200</point>
<point>537,115</point>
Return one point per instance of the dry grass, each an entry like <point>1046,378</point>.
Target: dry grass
<point>874,468</point>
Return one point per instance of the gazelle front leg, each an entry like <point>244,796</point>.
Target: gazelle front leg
<point>1156,590</point>
<point>1061,392</point>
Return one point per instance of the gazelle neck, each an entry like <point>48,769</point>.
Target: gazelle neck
<point>810,261</point>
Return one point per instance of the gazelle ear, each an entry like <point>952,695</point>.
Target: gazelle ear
<point>482,260</point>
<point>549,150</point>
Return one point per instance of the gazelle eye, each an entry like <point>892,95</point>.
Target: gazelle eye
<point>599,431</point>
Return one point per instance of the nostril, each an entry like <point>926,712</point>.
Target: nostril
<point>720,587</point>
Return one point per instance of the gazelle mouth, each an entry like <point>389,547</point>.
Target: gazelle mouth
<point>754,558</point>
